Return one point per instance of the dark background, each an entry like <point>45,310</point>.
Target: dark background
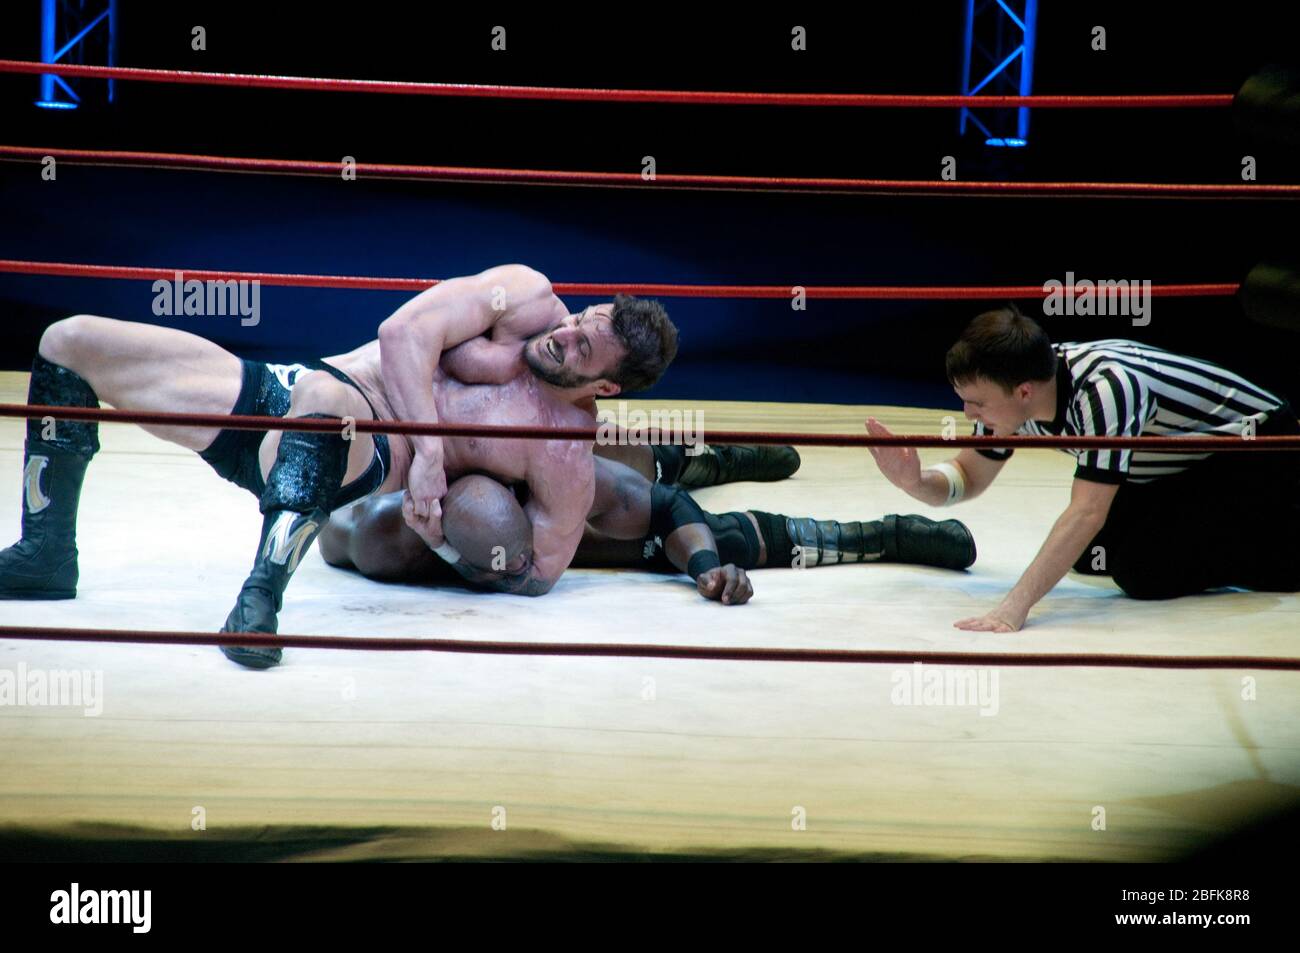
<point>856,352</point>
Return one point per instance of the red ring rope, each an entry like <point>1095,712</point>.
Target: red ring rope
<point>596,289</point>
<point>724,183</point>
<point>591,434</point>
<point>633,650</point>
<point>475,90</point>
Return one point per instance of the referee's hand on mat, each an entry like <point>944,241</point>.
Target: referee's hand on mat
<point>999,620</point>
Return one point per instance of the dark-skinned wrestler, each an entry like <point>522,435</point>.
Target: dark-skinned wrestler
<point>633,524</point>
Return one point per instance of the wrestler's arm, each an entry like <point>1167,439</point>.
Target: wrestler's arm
<point>479,361</point>
<point>628,506</point>
<point>561,487</point>
<point>500,357</point>
<point>693,549</point>
<point>512,300</point>
<point>411,342</point>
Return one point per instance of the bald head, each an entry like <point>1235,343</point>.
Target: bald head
<point>486,524</point>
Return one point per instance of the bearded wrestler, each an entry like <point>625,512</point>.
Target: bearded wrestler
<point>561,362</point>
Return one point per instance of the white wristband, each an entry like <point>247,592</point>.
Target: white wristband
<point>956,482</point>
<point>448,552</point>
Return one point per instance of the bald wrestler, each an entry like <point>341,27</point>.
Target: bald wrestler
<point>636,524</point>
<point>488,536</point>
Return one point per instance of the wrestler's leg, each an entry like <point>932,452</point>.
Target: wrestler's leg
<point>304,471</point>
<point>716,464</point>
<point>135,366</point>
<point>80,361</point>
<point>320,393</point>
<point>752,539</point>
<point>623,510</point>
<point>804,542</point>
<point>621,526</point>
<point>712,465</point>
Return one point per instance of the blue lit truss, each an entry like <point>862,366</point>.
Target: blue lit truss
<point>998,59</point>
<point>69,30</point>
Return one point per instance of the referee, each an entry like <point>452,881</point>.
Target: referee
<point>1160,523</point>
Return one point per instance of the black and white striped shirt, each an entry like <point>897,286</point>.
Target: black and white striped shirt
<point>1117,388</point>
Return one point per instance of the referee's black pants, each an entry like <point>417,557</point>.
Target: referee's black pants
<point>1232,519</point>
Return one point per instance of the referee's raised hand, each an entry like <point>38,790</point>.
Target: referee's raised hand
<point>900,465</point>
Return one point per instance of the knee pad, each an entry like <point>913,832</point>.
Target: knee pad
<point>736,537</point>
<point>56,386</point>
<point>776,536</point>
<point>308,471</point>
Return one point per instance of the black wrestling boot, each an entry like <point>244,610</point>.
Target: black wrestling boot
<point>915,539</point>
<point>43,564</point>
<point>730,464</point>
<point>308,471</point>
<point>286,536</point>
<point>811,542</point>
<point>802,542</point>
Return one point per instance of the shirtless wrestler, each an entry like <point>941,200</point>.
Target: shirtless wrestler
<point>547,377</point>
<point>300,477</point>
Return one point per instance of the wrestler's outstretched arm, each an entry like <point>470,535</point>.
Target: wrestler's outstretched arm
<point>512,300</point>
<point>628,506</point>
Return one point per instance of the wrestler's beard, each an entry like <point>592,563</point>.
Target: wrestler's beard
<point>556,377</point>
